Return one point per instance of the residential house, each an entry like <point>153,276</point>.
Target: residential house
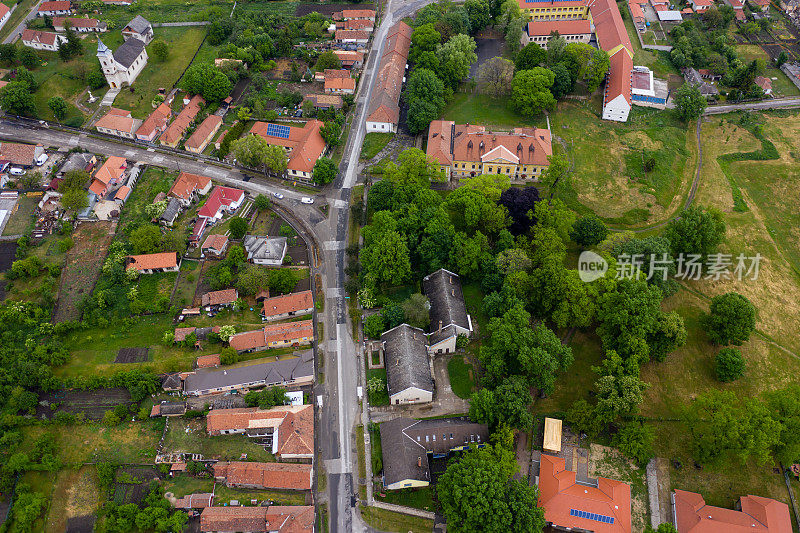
<point>123,66</point>
<point>555,9</point>
<point>286,430</point>
<point>573,31</point>
<point>174,133</point>
<point>122,195</point>
<point>278,476</point>
<point>325,101</point>
<point>339,85</point>
<point>20,155</point>
<point>468,150</point>
<point>294,372</point>
<point>207,361</point>
<point>188,187</point>
<point>694,79</point>
<point>215,245</point>
<point>357,25</point>
<point>792,71</point>
<point>171,382</point>
<point>350,59</point>
<point>222,200</point>
<point>79,24</point>
<point>637,15</point>
<point>765,84</point>
<point>77,161</point>
<point>215,300</point>
<point>138,28</point>
<point>57,7</point>
<point>755,514</point>
<point>274,336</point>
<point>5,14</point>
<point>272,519</point>
<point>448,312</point>
<point>358,37</point>
<point>646,90</point>
<point>355,14</point>
<point>408,367</point>
<point>110,174</point>
<point>700,6</point>
<point>168,409</point>
<point>268,251</point>
<point>408,444</point>
<point>152,263</point>
<point>303,145</point>
<point>613,38</point>
<point>287,306</point>
<point>155,124</point>
<point>42,40</point>
<point>171,212</point>
<point>601,505</point>
<point>383,112</point>
<point>203,134</point>
<point>189,502</point>
<point>762,5</point>
<point>118,122</point>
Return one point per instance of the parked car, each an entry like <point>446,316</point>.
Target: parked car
<point>17,171</point>
<point>41,160</point>
<point>278,195</point>
<point>307,200</point>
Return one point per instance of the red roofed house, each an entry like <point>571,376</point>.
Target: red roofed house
<point>282,476</point>
<point>42,40</point>
<point>203,134</point>
<point>288,305</point>
<point>111,173</point>
<point>118,122</point>
<point>765,84</point>
<point>57,7</point>
<point>152,263</point>
<point>637,15</point>
<point>287,430</point>
<point>21,155</point>
<point>222,200</point>
<point>155,124</point>
<point>355,14</point>
<point>354,24</point>
<point>753,514</point>
<point>273,336</point>
<point>573,31</point>
<point>214,245</point>
<point>188,187</point>
<point>383,111</point>
<point>79,24</point>
<point>5,14</point>
<point>273,519</point>
<point>218,299</point>
<point>601,508</point>
<point>701,6</point>
<point>194,501</point>
<point>613,38</point>
<point>304,145</point>
<point>467,150</point>
<point>350,58</point>
<point>207,361</point>
<point>174,133</point>
<point>351,36</point>
<point>763,5</point>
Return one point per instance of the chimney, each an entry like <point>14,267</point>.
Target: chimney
<point>440,326</point>
<point>453,292</point>
<point>451,280</point>
<point>419,462</point>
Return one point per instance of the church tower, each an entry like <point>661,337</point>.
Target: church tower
<point>107,63</point>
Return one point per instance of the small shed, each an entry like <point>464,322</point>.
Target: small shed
<point>552,435</point>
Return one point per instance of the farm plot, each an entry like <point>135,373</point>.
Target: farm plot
<point>328,9</point>
<point>132,355</point>
<point>132,484</point>
<point>82,268</point>
<point>92,403</point>
<point>76,497</point>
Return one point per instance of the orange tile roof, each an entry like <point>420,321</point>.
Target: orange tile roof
<point>37,36</point>
<point>356,25</point>
<point>758,515</point>
<point>157,120</point>
<point>559,493</point>
<point>223,297</point>
<point>98,187</point>
<point>186,184</point>
<point>112,169</point>
<point>525,146</point>
<point>280,519</point>
<point>619,78</point>
<point>206,361</point>
<point>287,303</point>
<point>306,143</point>
<point>336,73</point>
<point>118,120</point>
<point>75,22</point>
<point>358,13</point>
<point>609,27</point>
<point>215,242</point>
<point>55,5</point>
<point>342,84</point>
<point>384,105</point>
<point>206,128</point>
<point>289,476</point>
<point>563,27</point>
<point>176,130</point>
<point>359,35</point>
<point>764,83</point>
<point>636,10</point>
<point>289,332</point>
<point>123,193</point>
<point>152,261</point>
<point>18,153</point>
<point>294,423</point>
<point>182,333</point>
<point>347,56</point>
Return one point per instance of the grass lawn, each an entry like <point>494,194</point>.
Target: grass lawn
<point>183,42</point>
<point>184,294</point>
<point>374,143</point>
<point>461,376</point>
<point>190,436</point>
<point>380,397</point>
<point>21,221</point>
<point>395,522</point>
<point>76,493</point>
<point>183,484</point>
<point>23,8</point>
<point>474,108</point>
<point>655,60</point>
<point>223,495</point>
<point>421,498</point>
<point>362,468</point>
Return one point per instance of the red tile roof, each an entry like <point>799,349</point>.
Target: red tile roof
<point>356,25</point>
<point>764,83</point>
<point>348,14</point>
<point>207,361</point>
<point>525,146</point>
<point>306,143</point>
<point>176,130</point>
<point>559,493</point>
<point>341,84</point>
<point>206,128</point>
<point>186,184</point>
<point>223,297</point>
<point>295,425</point>
<point>56,5</point>
<point>349,56</point>
<point>288,303</point>
<point>384,105</point>
<point>220,196</point>
<point>75,22</point>
<point>289,332</point>
<point>37,36</point>
<point>118,120</point>
<point>18,153</point>
<point>563,27</point>
<point>112,169</point>
<point>289,476</point>
<point>758,515</point>
<point>619,78</point>
<point>194,501</point>
<point>347,35</point>
<point>280,519</point>
<point>182,333</point>
<point>3,10</point>
<point>157,120</point>
<point>151,261</point>
<point>215,242</point>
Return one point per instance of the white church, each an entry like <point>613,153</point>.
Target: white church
<point>124,65</point>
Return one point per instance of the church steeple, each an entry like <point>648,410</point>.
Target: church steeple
<point>102,49</point>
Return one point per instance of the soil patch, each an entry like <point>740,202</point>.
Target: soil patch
<point>93,404</point>
<point>81,524</point>
<point>133,484</point>
<point>8,250</point>
<point>328,9</point>
<point>132,355</point>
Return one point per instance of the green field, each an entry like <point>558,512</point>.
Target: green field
<point>395,522</point>
<point>190,436</point>
<point>373,144</point>
<point>461,380</point>
<point>475,108</point>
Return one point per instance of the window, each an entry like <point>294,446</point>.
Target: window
<point>434,438</point>
<point>451,435</point>
<point>426,439</point>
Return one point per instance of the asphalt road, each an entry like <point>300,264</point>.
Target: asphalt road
<point>777,103</point>
<point>22,25</point>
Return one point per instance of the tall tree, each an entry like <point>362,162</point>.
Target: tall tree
<point>16,98</point>
<point>455,58</point>
<point>531,56</point>
<point>325,171</point>
<point>495,76</point>
<point>689,102</point>
<point>731,319</point>
<point>506,405</point>
<point>697,231</point>
<point>530,91</point>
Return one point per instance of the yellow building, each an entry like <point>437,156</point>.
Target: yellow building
<point>555,10</point>
<point>465,151</point>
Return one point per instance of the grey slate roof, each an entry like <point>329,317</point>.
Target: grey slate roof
<point>443,289</point>
<point>139,24</point>
<point>76,161</point>
<point>272,372</point>
<point>171,381</point>
<point>438,336</point>
<point>406,359</point>
<point>128,51</point>
<point>271,248</point>
<point>405,447</point>
<point>172,210</point>
<point>172,408</point>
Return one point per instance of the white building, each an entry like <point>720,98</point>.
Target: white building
<point>5,13</point>
<point>647,91</point>
<point>42,40</point>
<point>265,250</point>
<point>124,65</point>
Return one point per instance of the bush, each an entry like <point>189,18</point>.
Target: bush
<point>731,319</point>
<point>374,325</point>
<point>729,365</point>
<point>238,227</point>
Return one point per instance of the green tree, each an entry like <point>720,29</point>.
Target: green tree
<point>506,405</point>
<point>327,60</point>
<point>666,527</point>
<point>159,50</point>
<point>425,38</point>
<point>8,53</point>
<point>374,326</point>
<point>415,310</point>
<point>262,202</point>
<point>479,14</point>
<point>74,200</point>
<point>325,171</point>
<point>635,440</point>
<point>784,404</point>
<point>530,91</point>
<point>205,80</point>
<point>58,106</point>
<point>425,94</point>
<point>332,133</point>
<point>26,76</point>
<point>145,239</point>
<point>689,102</point>
<point>28,57</point>
<point>16,98</point>
<point>697,231</point>
<point>562,81</point>
<point>238,227</point>
<point>596,69</point>
<point>386,260</point>
<point>495,76</point>
<point>531,56</point>
<point>729,365</point>
<point>455,57</point>
<point>588,231</point>
<point>252,280</point>
<point>731,319</point>
<point>282,280</point>
<point>275,159</point>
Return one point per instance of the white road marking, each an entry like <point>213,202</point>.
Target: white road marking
<point>334,245</point>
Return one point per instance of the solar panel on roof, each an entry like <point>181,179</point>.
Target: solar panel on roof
<point>278,130</point>
<point>592,516</point>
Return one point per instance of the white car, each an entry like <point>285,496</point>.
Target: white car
<point>17,171</point>
<point>278,195</point>
<point>41,160</point>
<point>307,200</point>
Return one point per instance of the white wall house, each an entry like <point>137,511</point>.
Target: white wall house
<point>122,66</point>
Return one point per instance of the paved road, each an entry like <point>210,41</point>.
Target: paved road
<point>777,103</point>
<point>22,25</point>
